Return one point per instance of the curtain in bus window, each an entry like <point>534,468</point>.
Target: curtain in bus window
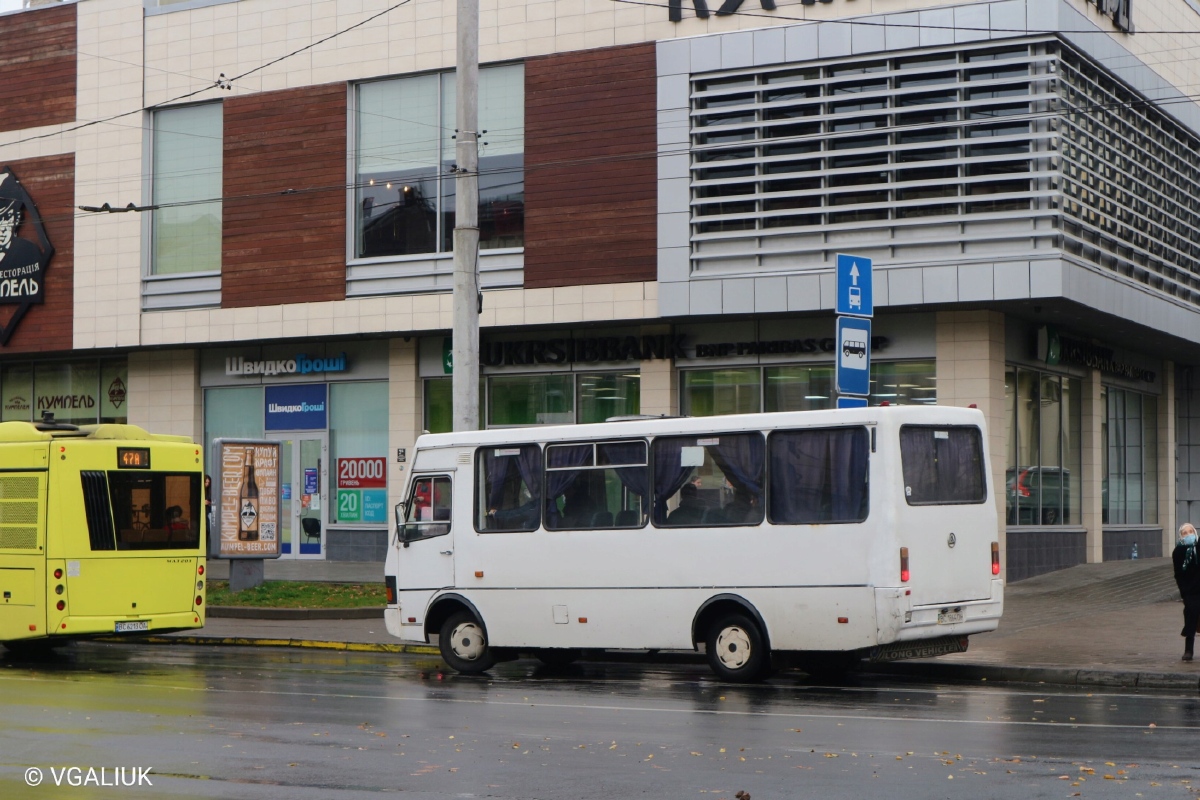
<point>819,475</point>
<point>629,462</point>
<point>669,474</point>
<point>512,482</point>
<point>560,479</point>
<point>942,465</point>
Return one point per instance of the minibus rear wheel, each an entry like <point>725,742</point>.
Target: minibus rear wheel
<point>464,645</point>
<point>737,650</point>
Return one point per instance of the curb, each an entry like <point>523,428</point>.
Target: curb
<point>1064,676</point>
<point>254,612</point>
<point>247,641</point>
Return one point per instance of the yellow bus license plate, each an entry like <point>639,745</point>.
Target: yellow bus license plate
<point>134,625</point>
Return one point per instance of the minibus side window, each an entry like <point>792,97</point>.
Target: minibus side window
<point>942,465</point>
<point>819,475</point>
<point>509,481</point>
<point>428,509</point>
<point>596,485</point>
<point>708,481</point>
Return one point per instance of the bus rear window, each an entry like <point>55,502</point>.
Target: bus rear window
<point>942,465</point>
<point>155,510</point>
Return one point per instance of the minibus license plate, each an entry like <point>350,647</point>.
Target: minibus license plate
<point>949,617</point>
<point>134,625</point>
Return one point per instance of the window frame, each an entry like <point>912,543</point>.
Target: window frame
<point>983,467</point>
<point>405,524</point>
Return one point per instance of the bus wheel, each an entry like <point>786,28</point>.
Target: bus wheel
<point>736,649</point>
<point>558,657</point>
<point>464,644</point>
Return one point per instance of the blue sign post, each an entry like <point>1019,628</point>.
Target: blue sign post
<point>854,295</point>
<point>855,307</point>
<point>853,354</point>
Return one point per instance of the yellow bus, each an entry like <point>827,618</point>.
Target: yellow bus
<point>102,531</point>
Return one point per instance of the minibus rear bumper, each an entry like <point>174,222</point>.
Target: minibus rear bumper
<point>898,621</point>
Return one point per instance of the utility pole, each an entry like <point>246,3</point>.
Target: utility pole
<point>467,299</point>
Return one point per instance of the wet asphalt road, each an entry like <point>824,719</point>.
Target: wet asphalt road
<point>297,724</point>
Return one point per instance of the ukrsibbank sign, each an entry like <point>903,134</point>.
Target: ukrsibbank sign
<point>300,365</point>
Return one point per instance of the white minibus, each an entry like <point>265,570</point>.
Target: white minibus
<point>815,537</point>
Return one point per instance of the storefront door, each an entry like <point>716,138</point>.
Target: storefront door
<point>303,490</point>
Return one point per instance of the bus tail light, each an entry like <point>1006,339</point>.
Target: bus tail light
<point>199,599</point>
<point>61,604</point>
<point>389,583</point>
<point>58,574</point>
<point>200,571</point>
<point>904,574</point>
<point>995,558</point>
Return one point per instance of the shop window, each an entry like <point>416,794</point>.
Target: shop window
<point>78,392</point>
<point>819,476</point>
<point>510,481</point>
<point>748,390</point>
<point>608,394</point>
<point>596,485</point>
<point>404,195</point>
<point>358,447</point>
<point>1043,466</point>
<point>1129,492</point>
<point>233,413</point>
<point>709,480</point>
<point>186,190</point>
<point>530,399</point>
<point>705,392</point>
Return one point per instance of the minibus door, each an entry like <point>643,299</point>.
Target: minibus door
<point>426,557</point>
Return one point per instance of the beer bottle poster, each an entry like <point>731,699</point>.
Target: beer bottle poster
<point>248,509</point>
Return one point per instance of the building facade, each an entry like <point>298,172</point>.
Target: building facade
<point>233,219</point>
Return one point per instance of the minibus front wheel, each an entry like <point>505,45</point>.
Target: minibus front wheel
<point>736,649</point>
<point>464,645</point>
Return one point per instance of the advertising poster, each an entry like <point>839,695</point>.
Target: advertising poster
<point>362,490</point>
<point>248,505</point>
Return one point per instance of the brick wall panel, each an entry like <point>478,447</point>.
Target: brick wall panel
<point>37,67</point>
<point>284,216</point>
<point>590,167</point>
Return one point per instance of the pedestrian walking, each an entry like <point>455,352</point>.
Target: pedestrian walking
<point>1187,578</point>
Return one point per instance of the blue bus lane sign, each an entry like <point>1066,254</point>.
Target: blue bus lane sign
<point>854,281</point>
<point>853,373</point>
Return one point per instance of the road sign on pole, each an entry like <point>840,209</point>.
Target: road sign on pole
<point>852,402</point>
<point>854,295</point>
<point>853,373</point>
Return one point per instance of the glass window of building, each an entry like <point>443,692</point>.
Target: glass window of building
<point>186,187</point>
<point>231,413</point>
<point>539,399</point>
<point>1129,492</point>
<point>78,392</point>
<point>749,390</point>
<point>404,196</point>
<point>358,442</point>
<point>1044,461</point>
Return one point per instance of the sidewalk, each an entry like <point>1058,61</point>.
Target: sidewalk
<point>1110,624</point>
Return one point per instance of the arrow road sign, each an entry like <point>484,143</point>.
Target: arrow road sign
<point>854,297</point>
